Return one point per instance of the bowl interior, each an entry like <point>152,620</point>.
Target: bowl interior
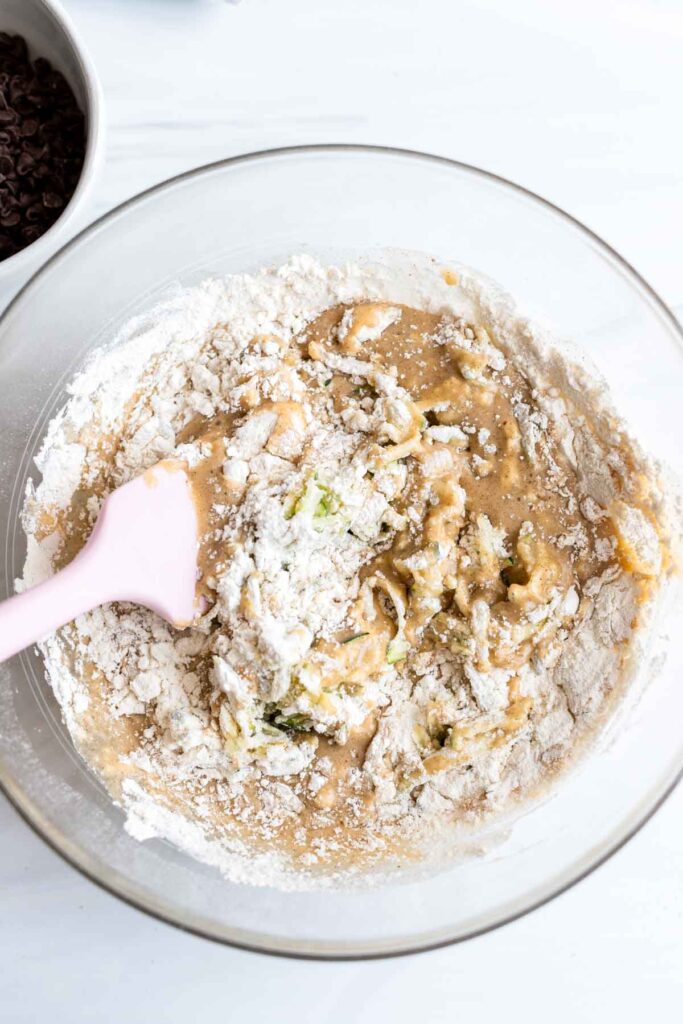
<point>334,202</point>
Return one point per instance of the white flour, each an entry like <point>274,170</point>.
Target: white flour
<point>196,356</point>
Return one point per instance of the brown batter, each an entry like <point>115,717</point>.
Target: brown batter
<point>532,500</point>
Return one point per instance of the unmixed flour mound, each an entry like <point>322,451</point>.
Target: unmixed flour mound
<point>427,551</point>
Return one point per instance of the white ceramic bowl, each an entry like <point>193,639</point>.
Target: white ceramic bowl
<point>49,32</point>
<point>334,202</point>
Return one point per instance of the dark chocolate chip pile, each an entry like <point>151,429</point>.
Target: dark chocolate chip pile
<point>42,144</point>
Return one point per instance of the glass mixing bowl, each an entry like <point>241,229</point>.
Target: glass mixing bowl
<point>333,201</point>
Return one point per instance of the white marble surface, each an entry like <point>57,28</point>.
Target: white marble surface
<point>579,101</point>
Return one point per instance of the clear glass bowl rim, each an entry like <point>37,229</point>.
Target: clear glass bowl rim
<point>24,805</point>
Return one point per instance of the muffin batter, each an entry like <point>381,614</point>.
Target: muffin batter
<point>426,548</point>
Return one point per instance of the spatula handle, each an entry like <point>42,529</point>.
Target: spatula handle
<point>143,548</point>
<point>28,617</point>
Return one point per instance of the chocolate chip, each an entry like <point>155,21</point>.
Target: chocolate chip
<point>52,201</point>
<point>34,213</point>
<point>28,128</point>
<point>42,145</point>
<point>25,163</point>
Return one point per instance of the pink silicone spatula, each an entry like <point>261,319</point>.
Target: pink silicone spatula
<point>143,549</point>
